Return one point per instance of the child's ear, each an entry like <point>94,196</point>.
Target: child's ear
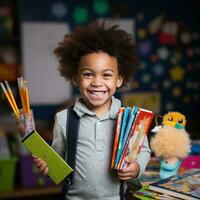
<point>74,81</point>
<point>119,81</point>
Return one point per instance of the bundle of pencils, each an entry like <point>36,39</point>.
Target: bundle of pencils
<point>24,96</point>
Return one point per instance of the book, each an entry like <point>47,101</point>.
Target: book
<point>58,169</point>
<point>136,136</point>
<point>129,125</point>
<point>185,185</point>
<point>131,129</point>
<point>145,194</point>
<point>117,133</point>
<point>122,133</point>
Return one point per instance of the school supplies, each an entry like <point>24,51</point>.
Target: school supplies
<point>9,95</point>
<point>184,186</point>
<point>23,90</point>
<point>131,129</point>
<point>58,169</point>
<point>24,116</point>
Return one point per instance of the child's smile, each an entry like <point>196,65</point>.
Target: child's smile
<point>98,78</point>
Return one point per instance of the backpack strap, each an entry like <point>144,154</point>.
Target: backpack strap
<point>72,127</point>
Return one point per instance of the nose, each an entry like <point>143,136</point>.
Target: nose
<point>96,81</point>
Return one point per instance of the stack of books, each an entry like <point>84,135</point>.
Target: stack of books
<point>131,129</point>
<point>184,185</point>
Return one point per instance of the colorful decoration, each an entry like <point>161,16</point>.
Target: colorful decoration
<point>144,48</point>
<point>101,7</point>
<point>176,91</point>
<point>185,38</point>
<point>142,33</point>
<point>59,10</point>
<point>149,100</point>
<point>155,25</point>
<point>177,73</point>
<point>80,15</point>
<point>163,53</point>
<point>166,84</point>
<point>158,69</point>
<point>168,33</point>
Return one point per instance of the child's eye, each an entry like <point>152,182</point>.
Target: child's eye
<point>107,75</point>
<point>87,74</point>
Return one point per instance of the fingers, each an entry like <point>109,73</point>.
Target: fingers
<point>41,165</point>
<point>129,172</point>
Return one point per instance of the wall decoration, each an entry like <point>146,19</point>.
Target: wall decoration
<point>176,91</point>
<point>177,73</point>
<point>144,48</point>
<point>166,84</point>
<point>80,15</point>
<point>168,33</point>
<point>155,25</point>
<point>38,42</point>
<point>59,10</point>
<point>163,53</point>
<point>176,57</point>
<point>168,43</point>
<point>142,33</point>
<point>185,38</point>
<point>101,7</point>
<point>148,100</point>
<point>169,106</point>
<point>158,69</point>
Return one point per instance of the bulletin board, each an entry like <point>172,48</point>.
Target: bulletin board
<point>168,38</point>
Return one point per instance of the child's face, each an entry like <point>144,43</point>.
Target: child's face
<point>98,78</point>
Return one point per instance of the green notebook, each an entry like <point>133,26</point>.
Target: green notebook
<point>58,169</point>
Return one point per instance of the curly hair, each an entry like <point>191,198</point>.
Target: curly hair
<point>94,38</point>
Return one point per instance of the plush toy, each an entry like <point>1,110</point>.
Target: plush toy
<point>170,143</point>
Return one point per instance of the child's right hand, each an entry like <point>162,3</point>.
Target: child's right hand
<point>41,165</point>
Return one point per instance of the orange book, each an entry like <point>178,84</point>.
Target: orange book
<point>137,135</point>
<point>117,133</point>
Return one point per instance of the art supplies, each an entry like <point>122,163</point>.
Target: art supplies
<point>131,129</point>
<point>24,116</point>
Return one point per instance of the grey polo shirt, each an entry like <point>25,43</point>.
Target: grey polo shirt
<point>93,179</point>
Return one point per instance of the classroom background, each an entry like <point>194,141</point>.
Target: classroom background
<point>167,34</point>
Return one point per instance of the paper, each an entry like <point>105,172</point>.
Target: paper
<point>39,39</point>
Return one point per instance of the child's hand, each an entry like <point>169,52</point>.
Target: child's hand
<point>41,165</point>
<point>131,171</point>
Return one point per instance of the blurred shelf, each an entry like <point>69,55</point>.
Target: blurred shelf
<point>31,192</point>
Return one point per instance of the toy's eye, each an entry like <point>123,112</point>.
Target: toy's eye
<point>180,120</point>
<point>170,119</point>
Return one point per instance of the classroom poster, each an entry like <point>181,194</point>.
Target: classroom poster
<point>147,100</point>
<point>39,39</point>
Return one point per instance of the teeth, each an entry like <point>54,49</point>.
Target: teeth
<point>97,92</point>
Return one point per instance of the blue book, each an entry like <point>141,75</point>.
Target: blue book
<point>125,119</point>
<point>132,117</point>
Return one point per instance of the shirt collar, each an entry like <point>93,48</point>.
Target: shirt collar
<point>81,109</point>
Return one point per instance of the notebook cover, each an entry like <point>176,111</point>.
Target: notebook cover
<point>58,169</point>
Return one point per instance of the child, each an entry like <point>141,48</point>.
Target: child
<point>98,60</point>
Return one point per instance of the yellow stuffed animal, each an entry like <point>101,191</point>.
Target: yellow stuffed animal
<point>171,143</point>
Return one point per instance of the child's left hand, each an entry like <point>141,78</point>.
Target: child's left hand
<point>129,172</point>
